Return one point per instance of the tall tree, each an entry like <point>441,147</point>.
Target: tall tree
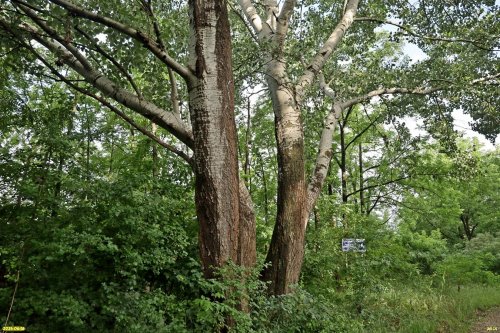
<point>124,51</point>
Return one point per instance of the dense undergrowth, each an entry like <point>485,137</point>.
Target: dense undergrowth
<point>130,273</point>
<point>103,238</point>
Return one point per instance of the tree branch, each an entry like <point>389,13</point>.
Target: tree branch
<point>242,19</point>
<point>138,35</point>
<point>325,52</point>
<point>115,110</point>
<point>357,136</point>
<point>432,38</point>
<point>414,91</point>
<point>251,15</point>
<point>138,127</point>
<point>52,33</point>
<point>325,87</point>
<point>287,10</point>
<point>112,60</point>
<point>162,118</point>
<point>383,91</point>
<point>272,13</point>
<point>149,10</point>
<point>486,79</point>
<point>375,203</point>
<point>283,19</point>
<point>324,156</point>
<point>363,188</point>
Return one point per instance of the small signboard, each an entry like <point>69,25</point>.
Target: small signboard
<point>353,245</point>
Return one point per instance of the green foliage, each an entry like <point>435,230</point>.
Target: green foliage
<point>422,309</point>
<point>407,279</point>
<point>477,262</point>
<point>460,269</point>
<point>303,312</point>
<point>100,226</point>
<point>425,250</point>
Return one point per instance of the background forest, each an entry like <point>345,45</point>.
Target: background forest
<point>98,224</point>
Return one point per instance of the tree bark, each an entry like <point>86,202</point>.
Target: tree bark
<point>211,102</point>
<point>286,250</point>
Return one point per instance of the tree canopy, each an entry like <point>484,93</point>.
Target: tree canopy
<point>184,157</point>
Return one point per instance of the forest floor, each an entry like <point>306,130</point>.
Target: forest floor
<point>488,321</point>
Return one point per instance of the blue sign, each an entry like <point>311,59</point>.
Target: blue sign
<point>353,245</point>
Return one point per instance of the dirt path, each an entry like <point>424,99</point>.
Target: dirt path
<point>488,321</point>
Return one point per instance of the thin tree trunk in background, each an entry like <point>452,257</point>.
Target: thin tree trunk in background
<point>60,166</point>
<point>343,167</point>
<point>361,179</point>
<point>247,146</point>
<point>467,226</point>
<point>58,185</point>
<point>247,252</point>
<point>317,219</point>
<point>354,183</point>
<point>111,155</point>
<point>87,150</point>
<point>154,128</point>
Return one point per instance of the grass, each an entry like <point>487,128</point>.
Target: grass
<point>405,310</point>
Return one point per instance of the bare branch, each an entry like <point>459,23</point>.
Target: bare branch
<point>364,188</point>
<point>357,136</point>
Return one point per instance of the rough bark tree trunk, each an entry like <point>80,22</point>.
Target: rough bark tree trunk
<point>211,101</point>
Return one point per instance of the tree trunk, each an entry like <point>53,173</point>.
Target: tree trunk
<point>343,163</point>
<point>211,102</point>
<point>468,228</point>
<point>247,252</point>
<point>361,179</point>
<point>154,153</point>
<point>286,250</point>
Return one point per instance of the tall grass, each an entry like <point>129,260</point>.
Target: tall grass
<point>428,310</point>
